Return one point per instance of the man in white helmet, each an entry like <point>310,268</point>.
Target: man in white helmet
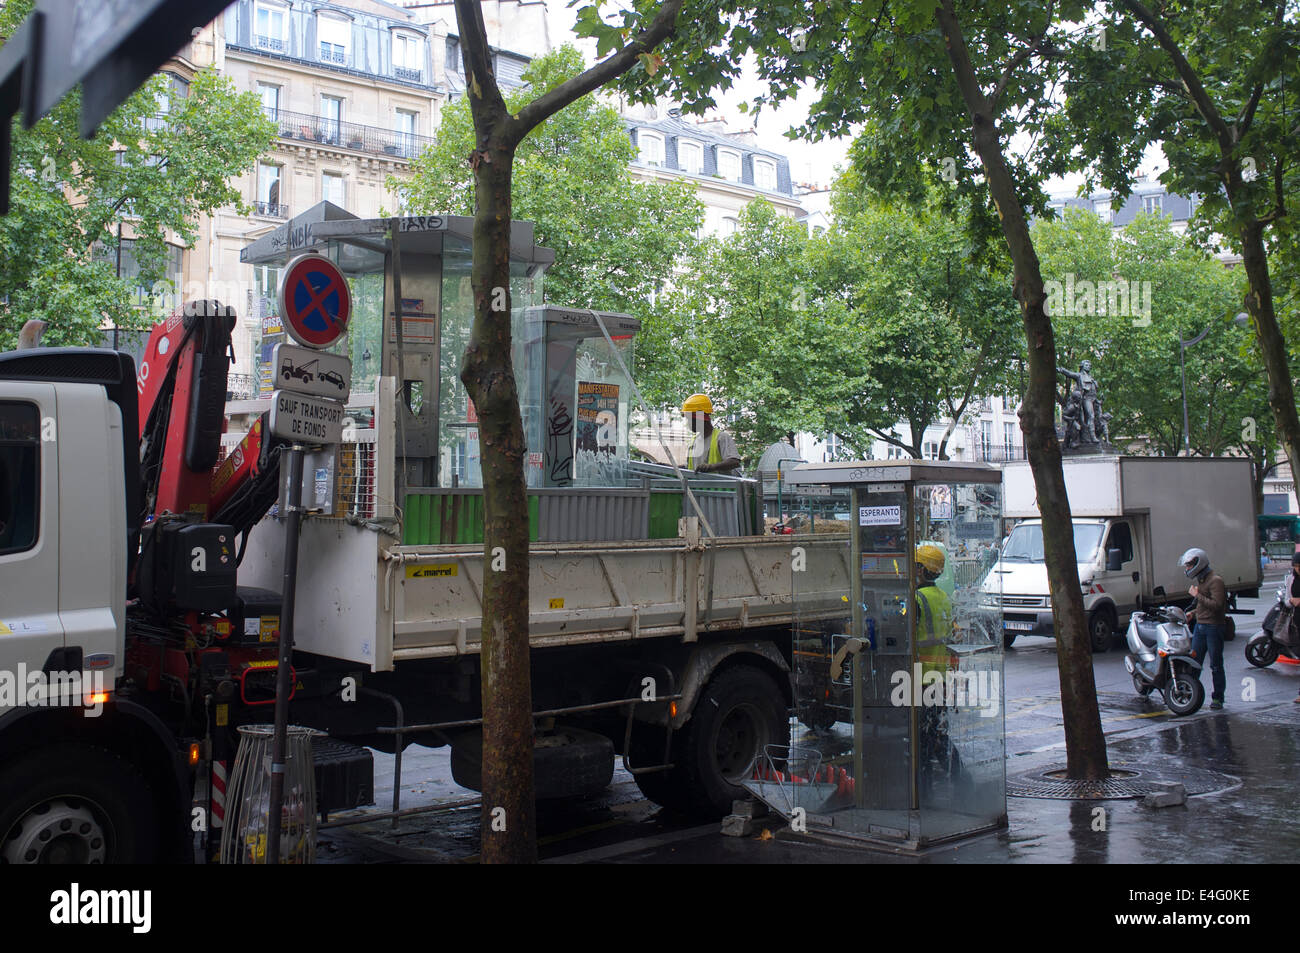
<point>1211,614</point>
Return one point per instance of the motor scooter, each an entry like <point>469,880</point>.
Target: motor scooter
<point>1160,658</point>
<point>1273,640</point>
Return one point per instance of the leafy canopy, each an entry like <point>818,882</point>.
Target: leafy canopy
<point>615,239</point>
<point>149,175</point>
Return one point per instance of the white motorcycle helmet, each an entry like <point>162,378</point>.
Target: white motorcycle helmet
<point>1195,563</point>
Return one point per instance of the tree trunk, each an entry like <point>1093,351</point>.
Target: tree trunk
<point>508,825</point>
<point>1085,744</point>
<point>1272,347</point>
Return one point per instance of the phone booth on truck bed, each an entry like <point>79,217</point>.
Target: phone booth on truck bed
<point>898,734</point>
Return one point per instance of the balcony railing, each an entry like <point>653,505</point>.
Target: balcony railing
<point>270,209</point>
<point>348,135</point>
<point>269,43</point>
<point>411,75</point>
<point>998,454</point>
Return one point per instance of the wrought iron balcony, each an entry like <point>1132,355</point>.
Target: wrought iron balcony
<point>270,209</point>
<point>269,43</point>
<point>997,453</point>
<point>411,75</point>
<point>303,127</point>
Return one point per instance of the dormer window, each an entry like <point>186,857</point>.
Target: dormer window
<point>335,37</point>
<point>729,164</point>
<point>408,57</point>
<point>269,24</point>
<point>765,174</point>
<point>652,147</point>
<point>690,156</point>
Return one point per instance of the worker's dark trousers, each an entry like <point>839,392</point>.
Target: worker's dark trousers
<point>1207,643</point>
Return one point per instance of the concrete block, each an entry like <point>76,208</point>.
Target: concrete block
<point>734,825</point>
<point>749,807</point>
<point>1166,798</point>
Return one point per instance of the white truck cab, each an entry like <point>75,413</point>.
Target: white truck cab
<point>1133,519</point>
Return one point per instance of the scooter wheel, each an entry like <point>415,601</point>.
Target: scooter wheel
<point>1261,653</point>
<point>1184,694</point>
<point>1139,686</point>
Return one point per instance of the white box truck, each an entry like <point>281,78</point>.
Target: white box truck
<point>1133,518</point>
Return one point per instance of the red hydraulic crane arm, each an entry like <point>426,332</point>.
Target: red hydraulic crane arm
<point>182,388</point>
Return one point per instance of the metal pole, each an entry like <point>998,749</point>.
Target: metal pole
<point>1182,373</point>
<point>293,519</point>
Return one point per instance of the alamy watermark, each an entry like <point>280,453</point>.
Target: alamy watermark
<point>1118,298</point>
<point>34,688</point>
<point>934,689</point>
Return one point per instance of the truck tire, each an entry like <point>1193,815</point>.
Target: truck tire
<point>1101,628</point>
<point>664,788</point>
<point>76,804</point>
<point>739,712</point>
<point>569,762</point>
<point>1230,629</point>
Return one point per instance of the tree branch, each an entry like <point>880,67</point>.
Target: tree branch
<point>1204,105</point>
<point>548,104</point>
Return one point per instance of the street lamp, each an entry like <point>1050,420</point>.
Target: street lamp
<point>1182,373</point>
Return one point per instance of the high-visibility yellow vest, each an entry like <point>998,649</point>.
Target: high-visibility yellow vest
<point>933,629</point>
<point>714,455</point>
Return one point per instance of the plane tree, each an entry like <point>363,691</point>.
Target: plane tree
<point>1218,88</point>
<point>508,825</point>
<point>934,88</point>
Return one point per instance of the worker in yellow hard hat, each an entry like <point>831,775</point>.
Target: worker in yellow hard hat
<point>933,633</point>
<point>934,610</point>
<point>717,452</point>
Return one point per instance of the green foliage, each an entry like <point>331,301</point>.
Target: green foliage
<point>1124,96</point>
<point>938,325</point>
<point>614,238</point>
<point>69,195</point>
<point>1135,354</point>
<point>883,318</point>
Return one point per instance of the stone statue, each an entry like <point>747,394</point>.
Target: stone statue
<point>1084,428</point>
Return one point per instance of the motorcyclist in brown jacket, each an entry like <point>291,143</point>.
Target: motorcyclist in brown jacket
<point>1211,614</point>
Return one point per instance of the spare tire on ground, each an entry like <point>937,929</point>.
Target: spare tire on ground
<point>567,762</point>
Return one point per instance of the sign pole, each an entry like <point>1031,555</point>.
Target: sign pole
<point>293,520</point>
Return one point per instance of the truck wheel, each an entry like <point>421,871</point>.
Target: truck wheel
<point>1007,638</point>
<point>738,714</point>
<point>1101,629</point>
<point>664,788</point>
<point>74,804</point>
<point>1230,629</point>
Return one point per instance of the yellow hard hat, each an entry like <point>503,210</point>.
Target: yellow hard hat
<point>698,403</point>
<point>931,558</point>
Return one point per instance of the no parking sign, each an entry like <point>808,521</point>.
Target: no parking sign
<point>314,300</point>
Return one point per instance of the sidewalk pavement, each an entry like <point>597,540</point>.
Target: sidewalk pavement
<point>1249,759</point>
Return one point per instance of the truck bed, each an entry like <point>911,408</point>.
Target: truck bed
<point>365,598</point>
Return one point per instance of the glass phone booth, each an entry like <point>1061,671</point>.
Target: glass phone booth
<point>898,732</point>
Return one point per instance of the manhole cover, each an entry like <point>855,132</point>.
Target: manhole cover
<point>1130,781</point>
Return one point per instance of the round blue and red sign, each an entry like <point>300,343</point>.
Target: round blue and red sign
<point>314,300</point>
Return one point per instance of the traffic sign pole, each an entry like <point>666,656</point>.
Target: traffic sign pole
<point>283,686</point>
